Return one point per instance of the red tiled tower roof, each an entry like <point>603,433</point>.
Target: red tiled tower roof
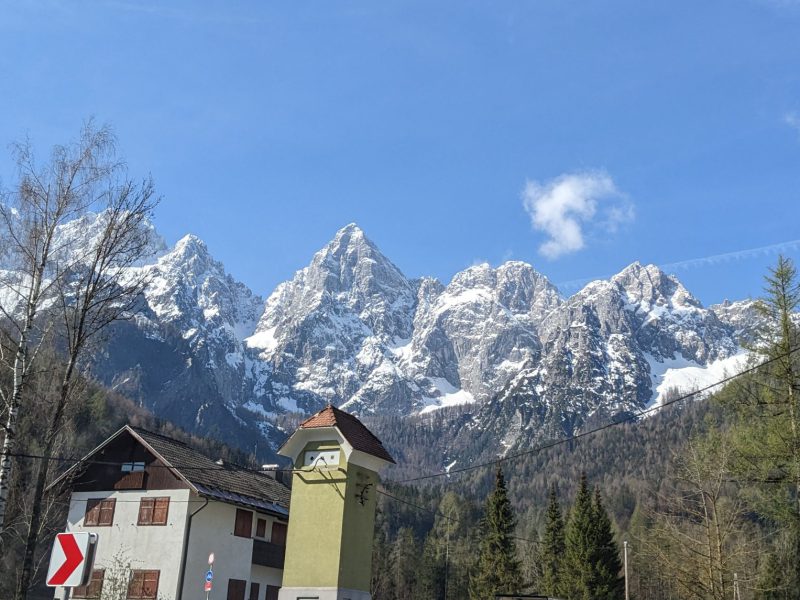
<point>351,428</point>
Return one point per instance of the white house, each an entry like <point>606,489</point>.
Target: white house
<point>160,508</point>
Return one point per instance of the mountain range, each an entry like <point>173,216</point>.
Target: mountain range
<point>520,360</point>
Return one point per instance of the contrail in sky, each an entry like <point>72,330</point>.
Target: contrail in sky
<point>714,259</point>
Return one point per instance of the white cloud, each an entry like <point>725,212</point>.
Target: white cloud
<point>573,205</point>
<point>792,119</point>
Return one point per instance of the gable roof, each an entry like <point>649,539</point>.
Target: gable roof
<point>353,430</point>
<point>225,482</point>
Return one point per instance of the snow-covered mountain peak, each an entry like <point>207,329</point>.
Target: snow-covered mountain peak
<point>649,286</point>
<point>190,244</point>
<point>78,235</point>
<point>188,259</point>
<point>515,285</point>
<point>189,286</point>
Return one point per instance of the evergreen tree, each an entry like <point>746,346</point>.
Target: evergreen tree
<point>552,552</point>
<point>577,582</point>
<point>767,435</point>
<point>606,565</point>
<point>498,567</point>
<point>404,560</point>
<point>382,568</point>
<point>432,570</point>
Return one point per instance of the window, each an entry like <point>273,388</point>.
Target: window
<point>99,512</point>
<point>244,523</point>
<point>236,588</point>
<point>261,528</point>
<point>278,533</point>
<point>255,589</point>
<point>91,589</point>
<point>143,585</point>
<point>153,511</point>
<point>132,467</point>
<point>272,592</point>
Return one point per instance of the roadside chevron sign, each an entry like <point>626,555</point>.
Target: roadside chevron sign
<point>70,561</point>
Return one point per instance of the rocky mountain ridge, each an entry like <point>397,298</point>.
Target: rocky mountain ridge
<point>351,329</point>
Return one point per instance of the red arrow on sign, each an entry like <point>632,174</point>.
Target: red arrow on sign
<point>73,558</point>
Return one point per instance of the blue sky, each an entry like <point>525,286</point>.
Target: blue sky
<point>577,136</point>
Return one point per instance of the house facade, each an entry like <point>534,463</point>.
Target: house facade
<point>159,508</point>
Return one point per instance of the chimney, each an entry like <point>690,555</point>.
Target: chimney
<point>272,470</point>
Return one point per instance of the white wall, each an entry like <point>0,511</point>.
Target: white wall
<point>212,531</point>
<point>125,545</point>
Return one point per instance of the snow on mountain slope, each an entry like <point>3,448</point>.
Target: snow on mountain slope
<point>481,328</point>
<point>673,378</point>
<point>350,328</point>
<point>353,330</point>
<point>605,352</point>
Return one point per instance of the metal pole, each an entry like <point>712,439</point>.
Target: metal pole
<point>447,558</point>
<point>625,561</point>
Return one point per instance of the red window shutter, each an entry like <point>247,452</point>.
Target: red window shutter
<point>146,506</point>
<point>96,583</point>
<point>255,589</point>
<point>261,528</point>
<point>244,523</point>
<point>272,592</point>
<point>160,511</point>
<point>150,584</point>
<point>143,585</point>
<point>236,589</point>
<point>278,533</point>
<point>92,516</point>
<point>136,585</point>
<point>107,512</point>
<point>93,589</point>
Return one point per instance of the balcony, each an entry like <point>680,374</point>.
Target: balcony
<point>268,554</point>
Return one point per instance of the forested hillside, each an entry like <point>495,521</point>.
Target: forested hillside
<point>99,413</point>
<point>705,492</point>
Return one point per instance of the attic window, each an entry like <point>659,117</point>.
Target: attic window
<point>132,467</point>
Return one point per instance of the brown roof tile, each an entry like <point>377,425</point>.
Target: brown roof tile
<point>228,482</point>
<point>352,429</point>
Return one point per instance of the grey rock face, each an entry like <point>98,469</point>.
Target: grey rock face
<point>352,329</point>
<point>601,353</point>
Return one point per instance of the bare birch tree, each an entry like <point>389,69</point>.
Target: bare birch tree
<point>700,536</point>
<point>87,280</point>
<point>31,214</point>
<point>89,297</point>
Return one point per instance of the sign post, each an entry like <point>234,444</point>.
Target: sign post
<point>209,576</point>
<point>71,560</point>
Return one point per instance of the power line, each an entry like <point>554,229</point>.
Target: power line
<point>497,461</point>
<point>113,463</point>
<point>609,425</point>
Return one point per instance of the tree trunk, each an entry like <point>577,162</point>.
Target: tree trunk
<point>37,510</point>
<point>10,440</point>
<point>9,445</point>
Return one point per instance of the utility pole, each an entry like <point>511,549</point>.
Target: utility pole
<point>447,557</point>
<point>625,558</point>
